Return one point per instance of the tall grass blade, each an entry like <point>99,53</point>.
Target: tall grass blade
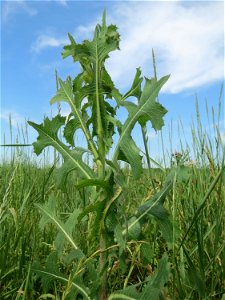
<point>202,205</point>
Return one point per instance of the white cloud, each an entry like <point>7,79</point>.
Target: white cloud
<point>85,32</point>
<point>152,134</point>
<point>49,39</point>
<point>9,8</point>
<point>62,2</point>
<point>46,40</point>
<point>187,39</point>
<point>222,135</point>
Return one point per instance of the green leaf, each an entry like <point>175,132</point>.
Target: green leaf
<point>73,254</point>
<point>69,130</point>
<point>180,173</point>
<point>68,50</point>
<point>95,207</point>
<point>45,273</point>
<point>108,217</point>
<point>48,137</point>
<point>195,277</point>
<point>147,110</point>
<point>46,297</point>
<point>97,82</point>
<point>93,182</point>
<point>135,90</point>
<point>68,166</point>
<point>154,287</point>
<point>159,213</point>
<point>153,207</point>
<point>119,238</point>
<point>50,272</point>
<point>163,220</point>
<point>65,93</point>
<point>69,227</point>
<point>152,110</point>
<point>147,251</point>
<point>48,133</point>
<point>119,296</point>
<point>131,153</point>
<point>51,206</point>
<point>62,227</point>
<point>108,86</point>
<point>129,293</point>
<point>134,228</point>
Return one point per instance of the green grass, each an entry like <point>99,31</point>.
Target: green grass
<point>197,211</point>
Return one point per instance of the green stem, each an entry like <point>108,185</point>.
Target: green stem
<point>145,140</point>
<point>103,253</point>
<point>100,132</point>
<point>102,261</point>
<point>84,128</point>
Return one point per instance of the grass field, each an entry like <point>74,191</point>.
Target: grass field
<point>37,262</point>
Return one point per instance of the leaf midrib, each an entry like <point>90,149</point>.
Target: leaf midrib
<point>82,124</point>
<point>128,128</point>
<point>64,279</point>
<point>62,150</point>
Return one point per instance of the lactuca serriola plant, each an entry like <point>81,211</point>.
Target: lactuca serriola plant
<point>94,103</point>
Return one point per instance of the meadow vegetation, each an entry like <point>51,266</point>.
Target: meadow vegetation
<point>104,222</point>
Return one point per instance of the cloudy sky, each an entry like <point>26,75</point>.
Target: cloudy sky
<point>187,38</point>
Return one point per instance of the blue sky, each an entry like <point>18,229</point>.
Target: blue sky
<point>187,37</point>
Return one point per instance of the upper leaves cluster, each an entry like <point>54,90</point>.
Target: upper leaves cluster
<point>90,96</point>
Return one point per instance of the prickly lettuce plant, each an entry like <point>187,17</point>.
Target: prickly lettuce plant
<point>94,102</point>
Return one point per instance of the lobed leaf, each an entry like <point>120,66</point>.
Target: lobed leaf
<point>120,238</point>
<point>135,89</point>
<point>70,128</point>
<point>154,286</point>
<point>97,82</point>
<point>134,228</point>
<point>147,110</point>
<point>65,93</point>
<point>62,227</point>
<point>129,293</point>
<point>153,207</point>
<point>68,227</point>
<point>69,165</point>
<point>46,274</point>
<point>72,158</point>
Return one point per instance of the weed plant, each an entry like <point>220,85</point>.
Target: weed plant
<point>121,233</point>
